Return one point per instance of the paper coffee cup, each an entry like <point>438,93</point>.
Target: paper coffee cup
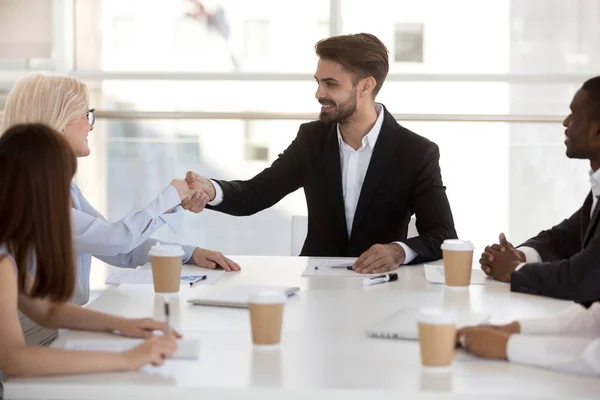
<point>437,337</point>
<point>266,317</point>
<point>458,262</point>
<point>166,267</point>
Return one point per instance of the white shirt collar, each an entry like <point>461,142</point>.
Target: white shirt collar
<point>373,134</point>
<point>595,179</point>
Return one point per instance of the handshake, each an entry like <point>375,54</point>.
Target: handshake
<point>195,191</point>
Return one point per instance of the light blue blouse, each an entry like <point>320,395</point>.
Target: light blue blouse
<point>124,243</point>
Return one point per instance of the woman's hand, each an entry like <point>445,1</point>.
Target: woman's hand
<point>141,328</point>
<point>153,351</point>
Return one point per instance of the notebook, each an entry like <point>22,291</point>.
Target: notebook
<point>403,324</point>
<point>234,296</point>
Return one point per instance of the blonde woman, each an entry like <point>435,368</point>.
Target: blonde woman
<point>61,102</point>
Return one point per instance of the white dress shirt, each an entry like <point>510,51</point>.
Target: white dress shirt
<point>124,243</point>
<point>569,342</point>
<point>531,254</point>
<point>354,165</point>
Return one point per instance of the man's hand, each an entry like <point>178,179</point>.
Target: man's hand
<point>212,259</point>
<point>505,262</point>
<point>487,257</point>
<point>201,185</point>
<point>513,327</point>
<point>484,341</point>
<point>191,199</point>
<point>380,258</point>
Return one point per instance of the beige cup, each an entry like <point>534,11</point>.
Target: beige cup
<point>166,267</point>
<point>266,317</point>
<point>437,337</point>
<point>458,262</point>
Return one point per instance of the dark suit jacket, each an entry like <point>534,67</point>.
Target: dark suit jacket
<point>571,259</point>
<point>403,178</point>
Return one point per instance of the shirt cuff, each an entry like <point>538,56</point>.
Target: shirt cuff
<point>528,350</point>
<point>540,326</point>
<point>519,266</point>
<point>531,254</point>
<point>409,254</point>
<point>166,200</point>
<point>218,194</point>
<point>173,219</point>
<point>187,253</point>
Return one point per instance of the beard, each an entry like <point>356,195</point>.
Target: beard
<point>338,113</point>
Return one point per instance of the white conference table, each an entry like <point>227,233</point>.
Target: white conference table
<point>325,353</point>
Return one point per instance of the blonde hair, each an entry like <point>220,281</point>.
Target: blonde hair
<point>47,99</point>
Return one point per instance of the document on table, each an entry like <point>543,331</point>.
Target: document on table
<point>327,267</point>
<point>434,273</point>
<point>187,349</point>
<point>143,275</point>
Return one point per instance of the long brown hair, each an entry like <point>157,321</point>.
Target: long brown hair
<point>37,166</point>
<point>361,54</point>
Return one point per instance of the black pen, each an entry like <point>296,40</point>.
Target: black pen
<point>335,267</point>
<point>199,279</point>
<point>167,315</point>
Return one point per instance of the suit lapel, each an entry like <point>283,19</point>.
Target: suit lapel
<point>383,153</point>
<point>332,172</point>
<point>593,221</point>
<point>585,215</point>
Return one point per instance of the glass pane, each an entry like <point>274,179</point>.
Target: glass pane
<point>472,36</point>
<point>26,34</point>
<point>498,179</point>
<point>193,35</point>
<point>216,96</point>
<point>299,97</point>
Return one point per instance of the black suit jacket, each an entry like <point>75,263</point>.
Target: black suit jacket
<point>403,178</point>
<point>571,259</point>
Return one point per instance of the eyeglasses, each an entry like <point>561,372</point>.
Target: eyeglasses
<point>91,116</point>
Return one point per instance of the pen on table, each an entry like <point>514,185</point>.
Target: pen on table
<point>380,279</point>
<point>167,315</point>
<point>199,279</point>
<point>334,266</point>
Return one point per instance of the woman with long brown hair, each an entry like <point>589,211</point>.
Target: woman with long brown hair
<point>37,264</point>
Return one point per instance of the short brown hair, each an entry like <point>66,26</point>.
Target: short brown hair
<point>37,167</point>
<point>361,54</point>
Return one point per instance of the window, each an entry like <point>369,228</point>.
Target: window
<point>256,142</point>
<point>25,32</point>
<point>256,39</point>
<point>408,42</point>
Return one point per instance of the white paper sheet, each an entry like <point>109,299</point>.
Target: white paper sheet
<point>434,273</point>
<point>186,348</point>
<point>324,269</point>
<point>143,275</point>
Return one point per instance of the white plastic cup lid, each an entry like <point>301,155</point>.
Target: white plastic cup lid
<point>166,250</point>
<point>437,316</point>
<point>458,245</point>
<point>267,297</point>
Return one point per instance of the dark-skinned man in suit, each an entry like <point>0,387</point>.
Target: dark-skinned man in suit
<point>564,261</point>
